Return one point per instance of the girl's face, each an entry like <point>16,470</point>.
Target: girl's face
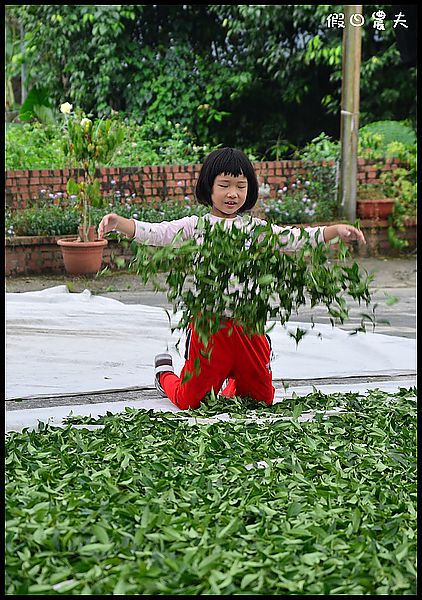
<point>228,195</point>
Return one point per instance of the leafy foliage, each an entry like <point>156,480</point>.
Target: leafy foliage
<point>43,220</point>
<point>391,131</point>
<point>39,146</point>
<point>225,72</point>
<point>248,276</point>
<point>56,214</point>
<point>322,147</point>
<point>88,143</point>
<point>304,201</point>
<point>33,146</point>
<point>150,504</point>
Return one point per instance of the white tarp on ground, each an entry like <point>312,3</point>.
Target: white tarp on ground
<point>59,343</point>
<point>16,420</point>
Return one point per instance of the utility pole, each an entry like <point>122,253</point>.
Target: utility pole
<point>349,122</point>
<point>23,67</point>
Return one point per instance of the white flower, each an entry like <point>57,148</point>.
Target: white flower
<point>264,190</point>
<point>284,189</point>
<point>66,108</point>
<point>134,144</point>
<point>180,183</point>
<point>113,182</point>
<point>135,215</point>
<point>85,122</point>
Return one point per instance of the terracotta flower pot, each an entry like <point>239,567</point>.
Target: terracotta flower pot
<point>82,258</point>
<point>374,209</point>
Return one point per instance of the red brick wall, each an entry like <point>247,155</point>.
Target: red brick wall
<point>163,182</point>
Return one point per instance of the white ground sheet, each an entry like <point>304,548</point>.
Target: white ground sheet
<point>16,420</point>
<point>60,343</point>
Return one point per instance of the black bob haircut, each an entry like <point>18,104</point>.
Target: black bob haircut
<point>227,161</point>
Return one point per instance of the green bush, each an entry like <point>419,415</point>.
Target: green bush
<point>51,220</point>
<point>64,218</point>
<point>33,146</point>
<point>309,201</point>
<point>320,148</point>
<point>391,131</point>
<point>37,146</point>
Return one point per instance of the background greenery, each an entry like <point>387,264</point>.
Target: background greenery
<point>263,78</point>
<point>186,78</point>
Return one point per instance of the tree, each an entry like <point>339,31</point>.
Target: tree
<point>265,78</point>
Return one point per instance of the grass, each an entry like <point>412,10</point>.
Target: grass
<point>153,505</point>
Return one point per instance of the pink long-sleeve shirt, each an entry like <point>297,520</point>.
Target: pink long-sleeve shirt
<point>162,234</point>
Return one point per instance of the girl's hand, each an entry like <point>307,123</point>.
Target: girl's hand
<point>107,224</point>
<point>348,233</point>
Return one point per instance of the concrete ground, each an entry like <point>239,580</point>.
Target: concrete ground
<point>394,278</point>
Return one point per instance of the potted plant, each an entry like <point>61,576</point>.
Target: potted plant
<point>87,143</point>
<point>372,202</point>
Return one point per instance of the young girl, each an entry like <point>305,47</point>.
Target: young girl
<point>228,184</point>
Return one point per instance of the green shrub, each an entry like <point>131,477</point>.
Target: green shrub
<point>309,201</point>
<point>52,220</point>
<point>33,146</point>
<point>320,148</point>
<point>48,218</point>
<point>391,131</point>
<point>37,146</point>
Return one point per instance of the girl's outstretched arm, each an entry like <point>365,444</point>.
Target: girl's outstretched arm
<point>153,234</point>
<point>111,222</point>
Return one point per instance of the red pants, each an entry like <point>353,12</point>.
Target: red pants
<point>244,361</point>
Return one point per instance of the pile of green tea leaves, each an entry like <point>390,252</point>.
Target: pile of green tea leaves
<point>151,504</point>
<point>250,276</point>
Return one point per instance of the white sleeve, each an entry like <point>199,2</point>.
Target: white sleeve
<point>291,236</point>
<point>162,234</point>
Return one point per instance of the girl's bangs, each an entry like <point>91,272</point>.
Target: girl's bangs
<point>228,163</point>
